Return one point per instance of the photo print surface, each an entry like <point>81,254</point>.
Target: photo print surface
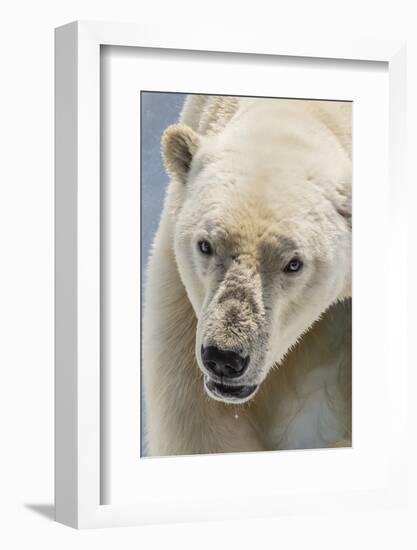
<point>246,230</point>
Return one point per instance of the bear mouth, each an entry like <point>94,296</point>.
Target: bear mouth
<point>229,394</point>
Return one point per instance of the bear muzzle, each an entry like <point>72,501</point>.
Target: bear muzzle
<point>223,363</point>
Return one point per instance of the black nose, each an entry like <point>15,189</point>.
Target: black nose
<point>224,363</point>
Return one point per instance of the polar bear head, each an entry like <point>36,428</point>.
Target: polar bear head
<point>262,237</point>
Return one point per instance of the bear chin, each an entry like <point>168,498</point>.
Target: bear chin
<point>229,394</point>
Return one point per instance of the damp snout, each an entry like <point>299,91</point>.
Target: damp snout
<point>224,363</point>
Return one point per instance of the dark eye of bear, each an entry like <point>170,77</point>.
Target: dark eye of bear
<point>205,247</point>
<point>293,266</point>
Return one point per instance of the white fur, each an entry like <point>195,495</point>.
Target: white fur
<point>246,172</point>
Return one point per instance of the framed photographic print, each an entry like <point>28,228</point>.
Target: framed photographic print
<point>221,281</point>
<point>223,339</point>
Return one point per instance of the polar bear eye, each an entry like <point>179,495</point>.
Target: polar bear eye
<point>293,266</point>
<point>205,247</point>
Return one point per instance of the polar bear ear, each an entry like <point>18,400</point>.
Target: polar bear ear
<point>179,145</point>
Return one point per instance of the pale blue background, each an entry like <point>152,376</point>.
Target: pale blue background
<point>158,110</point>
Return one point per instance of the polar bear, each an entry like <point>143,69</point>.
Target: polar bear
<point>246,327</point>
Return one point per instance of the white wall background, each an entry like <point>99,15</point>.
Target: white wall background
<point>26,270</point>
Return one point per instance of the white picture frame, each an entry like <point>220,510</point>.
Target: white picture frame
<point>78,406</point>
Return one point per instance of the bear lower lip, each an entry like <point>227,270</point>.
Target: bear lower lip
<point>223,392</point>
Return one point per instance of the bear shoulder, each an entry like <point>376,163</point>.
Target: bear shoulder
<point>337,117</point>
<point>208,114</point>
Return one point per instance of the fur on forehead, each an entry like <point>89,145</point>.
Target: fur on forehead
<point>258,229</point>
<point>210,170</point>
